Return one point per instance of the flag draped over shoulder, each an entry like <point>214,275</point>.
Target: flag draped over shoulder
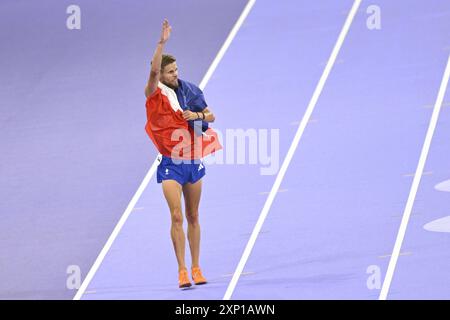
<point>171,134</point>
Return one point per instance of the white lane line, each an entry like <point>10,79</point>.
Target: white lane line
<point>401,254</point>
<point>415,184</point>
<point>296,123</point>
<point>292,148</point>
<point>152,170</point>
<point>116,231</point>
<point>425,173</point>
<point>227,43</point>
<point>228,275</point>
<point>445,104</point>
<point>268,192</point>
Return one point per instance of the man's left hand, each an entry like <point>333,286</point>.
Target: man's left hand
<point>189,115</point>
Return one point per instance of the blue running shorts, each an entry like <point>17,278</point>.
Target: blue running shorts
<point>182,171</point>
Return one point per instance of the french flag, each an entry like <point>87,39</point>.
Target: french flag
<point>171,134</point>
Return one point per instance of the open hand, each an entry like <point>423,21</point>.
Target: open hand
<point>165,32</point>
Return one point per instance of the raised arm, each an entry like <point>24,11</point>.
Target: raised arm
<point>155,71</point>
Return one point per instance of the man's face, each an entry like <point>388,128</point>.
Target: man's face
<point>169,75</point>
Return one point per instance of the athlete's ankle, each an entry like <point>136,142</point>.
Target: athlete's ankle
<point>181,268</point>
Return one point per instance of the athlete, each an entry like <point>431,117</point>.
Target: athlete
<point>177,119</point>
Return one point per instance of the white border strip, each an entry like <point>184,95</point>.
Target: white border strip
<point>152,170</point>
<point>415,184</point>
<point>116,231</point>
<point>291,151</point>
<point>227,43</point>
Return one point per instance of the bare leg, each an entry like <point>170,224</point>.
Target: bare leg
<point>172,192</point>
<point>192,193</point>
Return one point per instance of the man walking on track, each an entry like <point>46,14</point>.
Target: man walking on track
<point>177,109</point>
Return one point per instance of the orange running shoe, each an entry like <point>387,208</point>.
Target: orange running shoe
<point>197,276</point>
<point>183,279</point>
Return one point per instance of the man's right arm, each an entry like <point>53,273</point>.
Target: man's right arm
<point>155,71</point>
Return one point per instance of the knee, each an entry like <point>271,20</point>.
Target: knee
<point>192,217</point>
<point>177,217</point>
